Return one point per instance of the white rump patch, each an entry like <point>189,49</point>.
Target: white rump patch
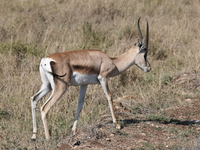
<point>45,64</point>
<point>45,68</point>
<point>83,79</point>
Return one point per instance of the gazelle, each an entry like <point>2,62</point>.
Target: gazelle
<point>83,67</point>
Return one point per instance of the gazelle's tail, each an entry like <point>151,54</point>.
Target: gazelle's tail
<point>46,66</point>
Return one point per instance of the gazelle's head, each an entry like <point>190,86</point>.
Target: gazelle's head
<point>142,49</point>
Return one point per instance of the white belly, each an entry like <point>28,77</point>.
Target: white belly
<point>83,79</point>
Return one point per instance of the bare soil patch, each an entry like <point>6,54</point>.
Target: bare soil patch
<point>173,128</point>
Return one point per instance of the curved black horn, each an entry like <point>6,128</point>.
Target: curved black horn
<point>147,36</point>
<point>139,30</point>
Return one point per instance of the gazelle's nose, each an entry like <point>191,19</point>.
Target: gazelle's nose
<point>147,69</point>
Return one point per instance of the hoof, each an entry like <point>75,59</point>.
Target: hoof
<point>33,138</point>
<point>74,132</point>
<point>118,126</point>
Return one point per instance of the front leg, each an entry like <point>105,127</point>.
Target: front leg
<point>104,84</point>
<point>83,89</point>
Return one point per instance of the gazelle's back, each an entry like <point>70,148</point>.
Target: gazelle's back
<point>78,64</point>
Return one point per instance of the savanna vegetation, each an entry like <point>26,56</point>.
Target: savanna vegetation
<point>30,30</point>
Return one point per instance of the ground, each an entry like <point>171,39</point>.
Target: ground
<point>174,128</point>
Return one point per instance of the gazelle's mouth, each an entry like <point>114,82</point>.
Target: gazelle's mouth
<point>147,69</point>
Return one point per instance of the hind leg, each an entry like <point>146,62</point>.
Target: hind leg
<point>60,89</point>
<point>34,100</point>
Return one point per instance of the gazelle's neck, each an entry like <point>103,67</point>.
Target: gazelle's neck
<point>124,61</point>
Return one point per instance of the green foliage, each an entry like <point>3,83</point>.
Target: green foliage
<point>5,48</point>
<point>92,38</point>
<point>157,118</point>
<point>166,79</point>
<point>128,32</point>
<point>148,78</point>
<point>158,52</point>
<point>158,128</point>
<point>147,146</point>
<point>135,110</point>
<point>175,62</point>
<point>121,132</point>
<point>4,114</point>
<point>20,49</point>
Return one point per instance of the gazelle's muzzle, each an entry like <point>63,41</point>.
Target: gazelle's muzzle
<point>147,69</point>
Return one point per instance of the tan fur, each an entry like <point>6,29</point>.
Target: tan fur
<point>82,61</point>
<point>80,68</point>
<point>92,62</point>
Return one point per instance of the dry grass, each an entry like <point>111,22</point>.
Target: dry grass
<point>29,30</point>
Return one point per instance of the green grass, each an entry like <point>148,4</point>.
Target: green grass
<point>157,118</point>
<point>147,146</point>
